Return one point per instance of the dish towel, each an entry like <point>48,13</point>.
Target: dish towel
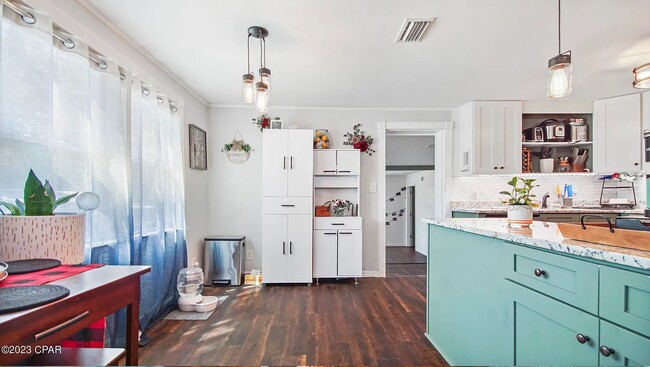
<point>90,337</point>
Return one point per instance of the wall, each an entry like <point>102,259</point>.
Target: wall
<point>424,197</point>
<point>410,150</point>
<point>85,24</point>
<point>235,198</point>
<point>396,230</point>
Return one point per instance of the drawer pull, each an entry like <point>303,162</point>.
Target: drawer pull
<point>539,272</point>
<point>606,351</point>
<point>330,232</point>
<point>582,338</point>
<point>61,326</point>
<point>344,171</point>
<point>329,171</point>
<point>338,224</point>
<point>287,205</point>
<point>345,232</point>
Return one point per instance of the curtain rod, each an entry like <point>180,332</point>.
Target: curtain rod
<point>29,18</point>
<point>68,43</point>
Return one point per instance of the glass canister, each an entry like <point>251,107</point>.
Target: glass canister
<point>190,282</point>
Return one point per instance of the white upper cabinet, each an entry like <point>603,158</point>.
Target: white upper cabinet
<point>617,134</point>
<point>337,162</point>
<point>489,140</point>
<point>287,163</point>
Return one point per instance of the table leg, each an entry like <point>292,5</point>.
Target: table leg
<point>132,315</point>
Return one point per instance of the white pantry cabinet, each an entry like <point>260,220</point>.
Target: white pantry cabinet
<point>287,162</point>
<point>338,253</point>
<point>617,134</point>
<point>489,140</point>
<point>339,162</point>
<point>288,169</point>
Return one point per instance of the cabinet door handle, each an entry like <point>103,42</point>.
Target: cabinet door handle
<point>345,232</point>
<point>291,162</point>
<point>606,351</point>
<point>330,233</point>
<point>539,272</point>
<point>501,167</point>
<point>285,162</point>
<point>636,164</point>
<point>61,326</point>
<point>345,171</point>
<point>582,338</point>
<point>284,248</point>
<point>338,224</point>
<point>496,167</point>
<point>287,205</point>
<point>329,171</point>
<point>290,248</point>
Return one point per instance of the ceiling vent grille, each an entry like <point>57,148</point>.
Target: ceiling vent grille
<point>413,30</point>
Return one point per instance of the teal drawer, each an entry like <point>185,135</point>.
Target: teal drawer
<point>625,299</point>
<point>629,349</point>
<point>566,279</point>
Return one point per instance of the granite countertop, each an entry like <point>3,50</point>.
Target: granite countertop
<point>575,210</point>
<point>547,236</point>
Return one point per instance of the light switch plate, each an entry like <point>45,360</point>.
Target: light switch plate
<point>249,254</point>
<point>373,187</point>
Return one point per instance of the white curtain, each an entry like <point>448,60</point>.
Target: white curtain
<point>90,127</point>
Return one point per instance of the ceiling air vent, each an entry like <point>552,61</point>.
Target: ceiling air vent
<point>413,30</point>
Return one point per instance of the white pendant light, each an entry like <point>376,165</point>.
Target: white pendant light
<point>642,76</point>
<point>559,67</point>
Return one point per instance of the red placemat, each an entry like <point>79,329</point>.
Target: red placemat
<point>46,276</point>
<point>90,337</point>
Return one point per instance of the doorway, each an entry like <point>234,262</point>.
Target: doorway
<point>425,180</point>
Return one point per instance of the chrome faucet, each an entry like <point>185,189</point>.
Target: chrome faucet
<point>545,200</point>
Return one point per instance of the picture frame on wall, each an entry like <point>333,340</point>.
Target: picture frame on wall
<point>198,148</point>
<point>276,124</point>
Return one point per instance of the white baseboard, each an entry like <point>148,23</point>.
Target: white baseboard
<point>371,274</point>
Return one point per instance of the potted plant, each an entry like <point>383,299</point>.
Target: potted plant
<point>31,230</point>
<point>520,202</point>
<point>339,206</point>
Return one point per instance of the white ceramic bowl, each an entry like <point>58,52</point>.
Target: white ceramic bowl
<point>206,304</point>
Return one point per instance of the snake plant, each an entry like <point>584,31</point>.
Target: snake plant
<point>39,199</point>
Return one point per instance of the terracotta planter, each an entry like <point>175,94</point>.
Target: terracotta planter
<point>520,215</point>
<point>60,237</point>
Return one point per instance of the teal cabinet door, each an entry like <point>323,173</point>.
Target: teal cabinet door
<point>467,307</point>
<point>620,347</point>
<point>625,299</point>
<point>548,332</point>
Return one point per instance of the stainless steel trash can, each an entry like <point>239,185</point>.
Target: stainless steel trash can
<point>224,259</point>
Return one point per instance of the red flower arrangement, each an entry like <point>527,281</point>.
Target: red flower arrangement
<point>263,122</point>
<point>359,140</point>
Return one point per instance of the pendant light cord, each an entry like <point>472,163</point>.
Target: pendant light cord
<point>248,52</point>
<point>264,52</point>
<point>559,32</point>
<point>261,53</point>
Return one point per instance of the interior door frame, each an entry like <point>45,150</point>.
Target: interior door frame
<point>442,174</point>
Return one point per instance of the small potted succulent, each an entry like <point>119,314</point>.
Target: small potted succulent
<point>520,202</point>
<point>31,230</point>
<point>339,206</point>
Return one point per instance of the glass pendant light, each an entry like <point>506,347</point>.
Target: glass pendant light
<point>642,76</point>
<point>262,98</point>
<point>559,68</point>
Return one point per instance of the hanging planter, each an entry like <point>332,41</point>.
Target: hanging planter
<point>238,151</point>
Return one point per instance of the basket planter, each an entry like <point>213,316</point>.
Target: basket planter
<point>60,237</point>
<point>520,215</point>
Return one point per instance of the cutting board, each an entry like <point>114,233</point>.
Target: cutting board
<point>600,233</point>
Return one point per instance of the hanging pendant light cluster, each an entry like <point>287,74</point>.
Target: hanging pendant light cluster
<point>559,67</point>
<point>252,91</point>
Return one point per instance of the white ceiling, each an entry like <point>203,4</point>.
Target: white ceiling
<point>340,53</point>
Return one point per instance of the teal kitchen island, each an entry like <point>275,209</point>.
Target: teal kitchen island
<point>502,296</point>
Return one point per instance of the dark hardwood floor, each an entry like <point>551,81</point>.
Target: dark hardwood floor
<point>405,261</point>
<point>380,322</point>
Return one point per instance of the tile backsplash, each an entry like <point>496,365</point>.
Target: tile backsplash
<point>483,191</point>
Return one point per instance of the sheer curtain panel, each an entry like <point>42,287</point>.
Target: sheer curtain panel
<point>82,122</point>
